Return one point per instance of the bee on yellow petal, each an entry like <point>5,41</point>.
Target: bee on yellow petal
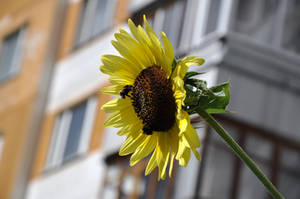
<point>149,111</point>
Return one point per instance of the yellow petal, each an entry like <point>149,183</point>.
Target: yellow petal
<point>185,158</point>
<point>169,51</point>
<point>181,148</point>
<point>119,80</point>
<point>162,172</point>
<point>156,47</point>
<point>162,155</point>
<point>152,162</point>
<point>192,60</point>
<point>131,143</point>
<point>113,64</point>
<point>174,148</point>
<point>150,32</point>
<point>143,41</point>
<point>197,154</point>
<point>130,129</point>
<point>186,62</point>
<point>128,54</point>
<point>153,50</point>
<point>144,149</point>
<point>116,105</point>
<point>134,47</point>
<point>183,124</point>
<point>179,91</point>
<point>121,118</point>
<point>112,90</point>
<point>192,137</point>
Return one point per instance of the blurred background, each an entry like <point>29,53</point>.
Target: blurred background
<point>52,141</point>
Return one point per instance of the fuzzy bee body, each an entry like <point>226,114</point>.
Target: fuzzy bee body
<point>125,91</point>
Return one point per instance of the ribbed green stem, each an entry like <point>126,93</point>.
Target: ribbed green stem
<point>240,153</point>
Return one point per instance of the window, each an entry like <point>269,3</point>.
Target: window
<point>291,29</point>
<point>213,17</point>
<point>289,177</point>
<point>123,181</point>
<point>169,19</point>
<point>96,17</point>
<point>11,54</point>
<point>71,133</point>
<point>223,175</point>
<point>257,19</point>
<point>1,145</point>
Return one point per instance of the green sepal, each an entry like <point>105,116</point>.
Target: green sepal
<point>191,74</point>
<point>217,110</point>
<point>174,64</point>
<point>213,100</point>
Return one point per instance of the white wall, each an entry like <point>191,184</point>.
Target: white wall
<point>77,180</point>
<point>78,75</point>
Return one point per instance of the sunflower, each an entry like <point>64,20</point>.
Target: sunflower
<point>149,110</point>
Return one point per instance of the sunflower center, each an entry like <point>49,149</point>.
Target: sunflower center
<point>153,100</point>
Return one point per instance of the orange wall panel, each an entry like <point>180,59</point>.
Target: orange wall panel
<point>18,94</point>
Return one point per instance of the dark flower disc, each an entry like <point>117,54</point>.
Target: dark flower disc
<point>153,100</point>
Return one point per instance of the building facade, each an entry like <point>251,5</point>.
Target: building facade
<point>24,37</point>
<point>254,44</point>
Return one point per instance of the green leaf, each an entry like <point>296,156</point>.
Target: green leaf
<point>213,100</point>
<point>174,64</point>
<point>191,74</point>
<point>199,84</point>
<point>222,96</point>
<point>216,110</point>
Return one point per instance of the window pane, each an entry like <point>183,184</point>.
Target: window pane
<point>78,38</point>
<point>103,18</point>
<point>96,16</point>
<point>259,148</point>
<point>110,189</point>
<point>100,22</point>
<point>213,18</point>
<point>289,179</point>
<point>289,183</point>
<point>256,18</point>
<point>250,186</point>
<point>173,22</point>
<point>291,31</point>
<point>78,113</point>
<point>8,54</point>
<point>59,139</point>
<point>290,158</point>
<point>218,172</point>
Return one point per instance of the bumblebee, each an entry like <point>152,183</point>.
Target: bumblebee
<point>125,91</point>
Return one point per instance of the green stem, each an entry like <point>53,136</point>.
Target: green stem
<point>240,152</point>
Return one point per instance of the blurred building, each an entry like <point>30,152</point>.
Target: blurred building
<point>52,140</point>
<point>24,36</point>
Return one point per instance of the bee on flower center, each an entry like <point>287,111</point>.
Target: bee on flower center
<point>153,99</point>
<point>125,91</point>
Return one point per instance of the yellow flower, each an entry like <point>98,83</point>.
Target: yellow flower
<point>149,111</point>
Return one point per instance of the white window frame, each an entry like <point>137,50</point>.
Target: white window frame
<point>279,17</point>
<point>201,17</point>
<point>188,27</point>
<point>15,66</point>
<point>173,28</point>
<point>86,31</point>
<point>59,137</point>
